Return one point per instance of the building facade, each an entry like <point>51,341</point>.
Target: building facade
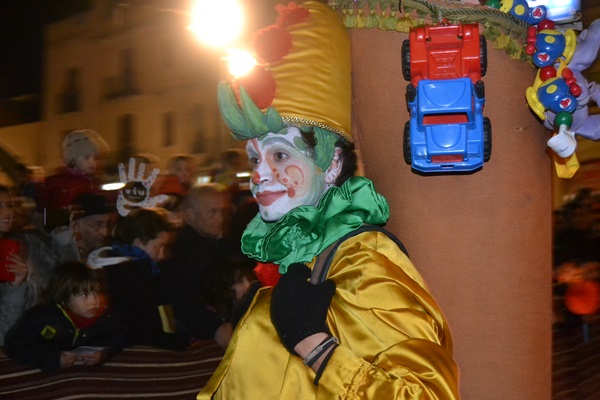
<point>138,77</point>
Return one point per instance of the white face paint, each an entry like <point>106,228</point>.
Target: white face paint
<point>284,176</point>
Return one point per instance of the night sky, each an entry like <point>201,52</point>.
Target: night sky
<point>21,24</point>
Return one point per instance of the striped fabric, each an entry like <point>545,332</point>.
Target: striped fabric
<point>148,373</point>
<point>576,361</point>
<point>136,372</point>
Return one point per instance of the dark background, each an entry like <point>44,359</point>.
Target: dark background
<point>21,23</point>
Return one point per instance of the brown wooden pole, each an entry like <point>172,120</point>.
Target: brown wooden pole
<point>482,241</point>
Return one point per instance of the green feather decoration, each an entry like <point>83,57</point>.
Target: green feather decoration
<point>231,112</point>
<point>325,148</point>
<point>246,122</point>
<point>273,120</point>
<point>252,114</point>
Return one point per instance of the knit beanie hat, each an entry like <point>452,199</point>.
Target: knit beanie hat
<point>81,143</point>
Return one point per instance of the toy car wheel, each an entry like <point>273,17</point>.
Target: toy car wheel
<point>406,59</point>
<point>483,54</point>
<point>487,139</point>
<point>480,89</point>
<point>411,93</point>
<point>407,150</point>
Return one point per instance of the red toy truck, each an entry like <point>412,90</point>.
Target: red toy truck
<point>444,52</point>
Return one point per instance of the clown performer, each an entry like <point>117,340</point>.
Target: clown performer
<point>365,325</point>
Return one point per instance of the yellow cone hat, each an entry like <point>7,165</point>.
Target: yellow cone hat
<point>304,75</point>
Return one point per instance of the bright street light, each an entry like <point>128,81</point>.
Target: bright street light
<point>217,23</point>
<point>240,62</point>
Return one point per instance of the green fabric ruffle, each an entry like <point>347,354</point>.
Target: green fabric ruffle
<point>306,231</point>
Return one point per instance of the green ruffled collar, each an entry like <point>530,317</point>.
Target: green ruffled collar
<point>306,231</point>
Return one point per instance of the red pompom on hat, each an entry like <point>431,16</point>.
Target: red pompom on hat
<point>260,85</point>
<point>291,14</point>
<point>272,43</point>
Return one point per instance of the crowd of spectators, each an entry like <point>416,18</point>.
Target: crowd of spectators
<point>79,280</point>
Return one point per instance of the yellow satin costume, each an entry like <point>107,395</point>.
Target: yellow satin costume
<point>394,340</point>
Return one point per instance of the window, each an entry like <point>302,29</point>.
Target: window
<point>127,72</point>
<point>123,84</point>
<point>200,135</point>
<point>168,129</point>
<point>125,127</point>
<point>70,96</point>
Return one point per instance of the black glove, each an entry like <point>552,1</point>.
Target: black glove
<point>299,308</point>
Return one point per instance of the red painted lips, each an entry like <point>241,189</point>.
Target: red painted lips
<point>266,198</point>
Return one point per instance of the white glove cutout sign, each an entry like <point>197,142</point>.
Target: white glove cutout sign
<point>136,192</point>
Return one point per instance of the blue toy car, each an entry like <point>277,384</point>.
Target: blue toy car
<point>447,130</point>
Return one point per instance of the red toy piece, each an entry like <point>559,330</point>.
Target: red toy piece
<point>547,73</point>
<point>545,24</point>
<point>444,52</point>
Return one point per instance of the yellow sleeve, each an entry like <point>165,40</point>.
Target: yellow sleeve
<point>395,343</point>
<point>414,369</point>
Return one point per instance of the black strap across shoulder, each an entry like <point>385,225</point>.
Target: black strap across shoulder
<point>323,261</point>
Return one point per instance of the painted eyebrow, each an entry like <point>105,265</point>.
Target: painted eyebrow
<point>251,150</point>
<point>277,140</point>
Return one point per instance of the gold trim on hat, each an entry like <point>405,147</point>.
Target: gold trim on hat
<point>309,122</point>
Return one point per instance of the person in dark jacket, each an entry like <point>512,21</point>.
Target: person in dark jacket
<point>130,268</point>
<point>196,278</point>
<point>73,325</point>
